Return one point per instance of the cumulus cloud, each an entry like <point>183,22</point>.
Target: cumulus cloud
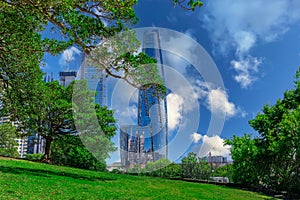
<point>214,145</point>
<point>196,137</point>
<point>174,107</point>
<point>218,103</point>
<point>68,55</point>
<point>182,104</point>
<point>244,69</point>
<point>216,99</point>
<point>127,115</point>
<point>244,41</point>
<point>240,25</point>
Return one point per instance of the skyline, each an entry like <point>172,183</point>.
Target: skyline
<point>257,58</point>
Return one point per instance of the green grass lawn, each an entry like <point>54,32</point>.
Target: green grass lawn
<point>28,180</point>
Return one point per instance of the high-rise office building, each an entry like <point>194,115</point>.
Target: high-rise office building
<point>48,77</point>
<point>35,144</point>
<point>67,77</point>
<point>96,79</point>
<point>152,106</point>
<point>152,116</point>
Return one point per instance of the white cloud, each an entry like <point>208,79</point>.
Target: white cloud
<point>218,103</point>
<point>68,55</point>
<point>196,137</point>
<point>214,145</point>
<point>127,115</point>
<point>174,107</point>
<point>185,101</point>
<point>244,41</point>
<point>245,68</point>
<point>240,25</point>
<point>216,100</point>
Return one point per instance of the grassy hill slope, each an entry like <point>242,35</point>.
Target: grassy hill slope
<point>21,179</point>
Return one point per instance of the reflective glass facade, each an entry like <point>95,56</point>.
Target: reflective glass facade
<point>152,110</point>
<point>97,81</point>
<point>147,141</point>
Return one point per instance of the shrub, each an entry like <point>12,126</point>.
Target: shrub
<point>35,157</point>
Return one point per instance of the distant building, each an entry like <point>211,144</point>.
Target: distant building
<point>216,161</point>
<point>115,165</point>
<point>36,144</point>
<point>48,77</point>
<point>97,81</point>
<point>220,179</point>
<point>136,146</point>
<point>22,146</point>
<point>66,78</point>
<point>21,142</point>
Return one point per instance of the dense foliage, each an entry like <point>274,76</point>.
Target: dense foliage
<point>51,116</point>
<point>34,157</point>
<point>194,167</point>
<point>191,167</point>
<point>70,151</point>
<point>8,145</point>
<point>45,108</point>
<point>273,159</point>
<point>189,4</point>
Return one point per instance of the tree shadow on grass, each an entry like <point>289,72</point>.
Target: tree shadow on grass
<point>49,174</point>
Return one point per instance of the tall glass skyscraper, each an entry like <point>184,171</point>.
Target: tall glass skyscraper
<point>147,141</point>
<point>97,81</point>
<point>152,108</point>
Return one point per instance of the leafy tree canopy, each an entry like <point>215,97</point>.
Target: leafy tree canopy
<point>273,158</point>
<point>188,4</point>
<point>8,145</point>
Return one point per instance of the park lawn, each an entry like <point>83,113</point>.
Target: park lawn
<point>20,179</point>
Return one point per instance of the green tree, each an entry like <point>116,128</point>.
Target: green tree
<point>273,158</point>
<point>173,170</point>
<point>8,145</point>
<point>189,4</point>
<point>50,113</point>
<point>95,124</point>
<point>157,168</point>
<point>194,167</point>
<point>74,23</point>
<point>77,23</point>
<point>224,171</point>
<point>244,153</point>
<point>69,150</point>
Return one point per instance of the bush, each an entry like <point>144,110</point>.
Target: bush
<point>116,171</point>
<point>70,151</point>
<point>35,157</point>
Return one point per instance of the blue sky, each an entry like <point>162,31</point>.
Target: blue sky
<point>255,45</point>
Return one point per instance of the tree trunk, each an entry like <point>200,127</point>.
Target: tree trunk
<point>47,149</point>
